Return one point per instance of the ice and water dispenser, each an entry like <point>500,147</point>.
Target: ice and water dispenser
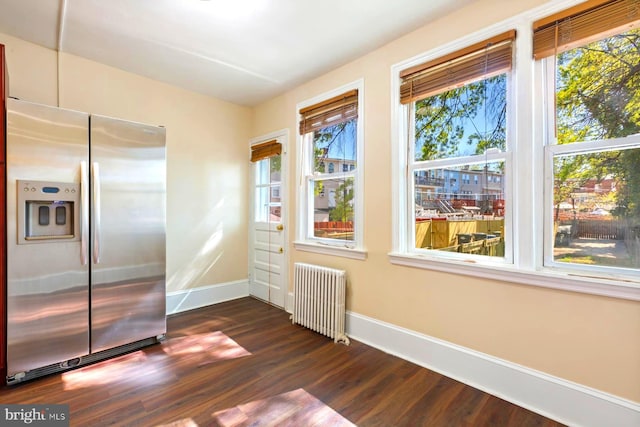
<point>47,211</point>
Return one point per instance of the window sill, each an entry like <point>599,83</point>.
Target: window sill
<point>610,287</point>
<point>324,249</point>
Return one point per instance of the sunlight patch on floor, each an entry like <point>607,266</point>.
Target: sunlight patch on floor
<point>140,369</point>
<point>295,408</point>
<point>130,368</point>
<point>209,347</point>
<point>185,422</point>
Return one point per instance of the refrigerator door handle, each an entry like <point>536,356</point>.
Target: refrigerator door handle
<point>84,213</point>
<point>95,172</point>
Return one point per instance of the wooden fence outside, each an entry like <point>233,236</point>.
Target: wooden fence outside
<point>632,240</point>
<point>600,229</point>
<point>333,229</point>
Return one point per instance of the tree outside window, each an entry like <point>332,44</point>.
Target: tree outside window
<point>596,191</point>
<point>334,216</point>
<point>461,125</point>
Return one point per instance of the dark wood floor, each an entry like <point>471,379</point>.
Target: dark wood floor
<point>243,363</point>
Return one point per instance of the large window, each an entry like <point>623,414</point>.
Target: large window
<point>330,196</point>
<point>458,133</point>
<point>592,152</point>
<point>527,173</point>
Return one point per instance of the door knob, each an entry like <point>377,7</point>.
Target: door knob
<point>280,227</point>
<point>281,250</point>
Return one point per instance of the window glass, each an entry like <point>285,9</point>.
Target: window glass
<point>463,121</point>
<point>595,209</point>
<point>333,197</point>
<point>592,222</point>
<point>460,208</point>
<point>466,219</point>
<point>570,213</point>
<point>590,107</point>
<point>268,202</point>
<point>337,143</point>
<point>333,215</point>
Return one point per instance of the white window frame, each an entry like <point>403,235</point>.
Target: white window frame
<point>258,186</point>
<point>525,187</point>
<point>304,173</point>
<point>404,251</point>
<point>415,166</point>
<point>551,149</point>
<point>282,137</point>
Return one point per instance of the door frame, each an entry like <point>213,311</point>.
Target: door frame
<point>282,136</point>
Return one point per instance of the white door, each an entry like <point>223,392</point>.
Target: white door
<point>267,257</point>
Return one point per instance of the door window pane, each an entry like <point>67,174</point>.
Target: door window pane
<point>262,204</point>
<point>268,191</point>
<point>275,204</point>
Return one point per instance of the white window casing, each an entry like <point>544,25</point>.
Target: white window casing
<point>305,177</point>
<point>526,186</point>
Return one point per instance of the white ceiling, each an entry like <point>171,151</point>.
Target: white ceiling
<point>242,51</point>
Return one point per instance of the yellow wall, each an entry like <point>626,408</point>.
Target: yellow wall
<point>207,153</point>
<point>588,339</point>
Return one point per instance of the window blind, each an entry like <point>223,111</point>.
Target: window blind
<point>330,112</point>
<point>265,149</point>
<point>481,60</point>
<point>582,24</point>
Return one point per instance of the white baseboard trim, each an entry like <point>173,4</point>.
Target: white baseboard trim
<point>289,303</point>
<point>189,299</point>
<point>561,400</point>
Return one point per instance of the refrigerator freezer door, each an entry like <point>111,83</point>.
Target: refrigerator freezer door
<point>128,240</point>
<point>47,282</point>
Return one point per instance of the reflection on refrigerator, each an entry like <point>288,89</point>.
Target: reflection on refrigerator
<point>85,238</point>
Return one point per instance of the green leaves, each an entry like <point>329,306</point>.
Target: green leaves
<point>343,211</point>
<point>598,97</point>
<point>462,121</point>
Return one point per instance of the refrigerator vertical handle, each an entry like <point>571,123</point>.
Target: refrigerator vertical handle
<point>95,175</point>
<point>84,213</point>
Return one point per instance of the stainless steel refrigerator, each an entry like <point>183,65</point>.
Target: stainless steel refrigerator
<point>85,238</point>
